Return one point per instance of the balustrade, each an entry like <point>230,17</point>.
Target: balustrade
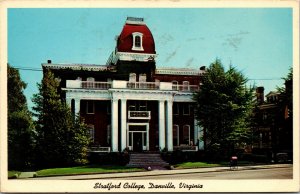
<point>131,85</point>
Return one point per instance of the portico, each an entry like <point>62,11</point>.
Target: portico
<point>123,122</point>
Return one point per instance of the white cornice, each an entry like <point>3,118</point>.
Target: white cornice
<point>178,71</point>
<point>143,57</point>
<point>88,67</point>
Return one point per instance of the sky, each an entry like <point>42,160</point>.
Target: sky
<point>256,41</point>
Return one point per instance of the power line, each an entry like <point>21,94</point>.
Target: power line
<point>28,68</point>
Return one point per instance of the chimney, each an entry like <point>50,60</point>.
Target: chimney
<point>260,94</point>
<point>202,68</point>
<point>49,61</point>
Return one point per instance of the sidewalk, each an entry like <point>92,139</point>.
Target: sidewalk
<point>160,172</point>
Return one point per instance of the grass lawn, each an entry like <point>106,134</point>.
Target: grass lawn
<point>207,164</point>
<point>11,174</point>
<point>196,165</point>
<point>90,169</point>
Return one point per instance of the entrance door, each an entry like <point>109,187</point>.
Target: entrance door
<point>137,142</point>
<point>138,136</point>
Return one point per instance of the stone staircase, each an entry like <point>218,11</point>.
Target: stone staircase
<point>145,160</point>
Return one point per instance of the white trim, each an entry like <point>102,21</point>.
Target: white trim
<point>178,71</point>
<point>134,36</point>
<point>126,56</point>
<point>88,67</point>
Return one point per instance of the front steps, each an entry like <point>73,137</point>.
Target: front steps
<point>145,160</point>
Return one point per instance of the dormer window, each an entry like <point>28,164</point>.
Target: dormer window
<point>137,44</point>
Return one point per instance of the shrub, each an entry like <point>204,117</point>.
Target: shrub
<point>111,158</point>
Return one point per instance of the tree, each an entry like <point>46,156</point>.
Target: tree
<point>61,140</point>
<point>20,124</point>
<point>223,108</point>
<point>285,112</point>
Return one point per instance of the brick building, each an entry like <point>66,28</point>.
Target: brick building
<point>128,102</point>
<point>274,130</point>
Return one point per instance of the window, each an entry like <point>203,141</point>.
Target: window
<point>186,134</point>
<point>175,108</point>
<point>131,106</point>
<point>185,86</point>
<point>137,41</point>
<point>90,108</point>
<point>175,135</point>
<point>186,109</point>
<point>143,105</point>
<point>92,132</point>
<point>175,85</point>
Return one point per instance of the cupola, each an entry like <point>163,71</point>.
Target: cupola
<point>135,37</point>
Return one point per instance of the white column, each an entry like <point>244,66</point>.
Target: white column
<point>169,125</point>
<point>201,140</point>
<point>161,123</point>
<point>147,136</point>
<point>114,125</point>
<point>196,131</point>
<point>76,106</point>
<point>69,102</point>
<point>123,124</point>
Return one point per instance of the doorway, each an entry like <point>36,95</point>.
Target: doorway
<point>137,142</point>
<point>138,137</point>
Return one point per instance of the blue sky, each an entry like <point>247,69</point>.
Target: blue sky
<point>257,41</point>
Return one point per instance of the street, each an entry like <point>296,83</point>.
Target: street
<point>275,173</point>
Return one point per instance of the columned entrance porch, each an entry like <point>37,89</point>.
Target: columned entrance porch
<point>138,136</point>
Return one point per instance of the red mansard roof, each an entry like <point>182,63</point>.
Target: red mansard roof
<point>125,39</point>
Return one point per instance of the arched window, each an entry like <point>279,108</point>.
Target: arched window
<point>137,44</point>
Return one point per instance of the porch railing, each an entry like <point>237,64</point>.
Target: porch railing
<point>120,84</point>
<point>143,85</point>
<point>95,85</point>
<point>98,149</point>
<point>186,88</point>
